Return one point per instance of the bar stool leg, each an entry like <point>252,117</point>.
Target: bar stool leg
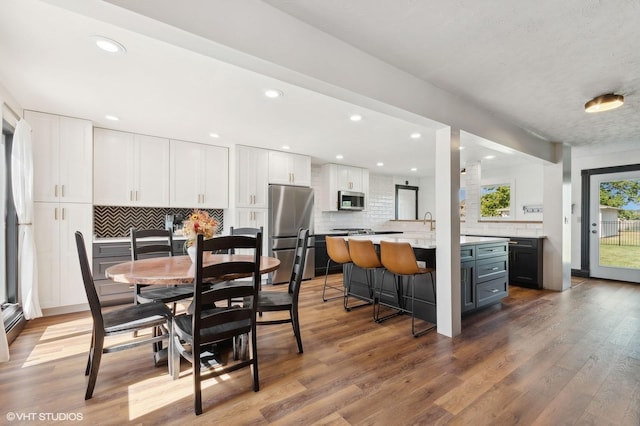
<point>324,288</point>
<point>377,301</point>
<point>348,291</point>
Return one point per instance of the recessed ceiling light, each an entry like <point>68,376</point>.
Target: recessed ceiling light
<point>413,169</point>
<point>461,148</point>
<point>355,117</point>
<point>286,147</point>
<point>604,103</point>
<point>489,157</point>
<point>108,45</point>
<point>273,93</point>
<point>379,164</point>
<point>111,117</point>
<point>415,135</point>
<point>214,135</point>
<point>339,157</point>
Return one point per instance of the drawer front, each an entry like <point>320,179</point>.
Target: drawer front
<point>100,265</point>
<point>490,250</point>
<point>492,291</point>
<point>112,250</point>
<point>467,253</point>
<point>524,242</point>
<point>492,268</point>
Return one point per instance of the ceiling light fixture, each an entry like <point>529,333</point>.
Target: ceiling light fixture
<point>111,117</point>
<point>339,157</point>
<point>380,164</point>
<point>214,135</point>
<point>604,103</point>
<point>489,157</point>
<point>415,135</point>
<point>355,117</point>
<point>108,45</point>
<point>413,169</point>
<point>286,147</point>
<point>273,93</point>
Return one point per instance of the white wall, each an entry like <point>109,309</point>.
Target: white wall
<point>527,184</point>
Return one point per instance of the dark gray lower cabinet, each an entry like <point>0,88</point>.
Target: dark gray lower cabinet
<point>484,275</point>
<point>525,262</point>
<point>111,253</point>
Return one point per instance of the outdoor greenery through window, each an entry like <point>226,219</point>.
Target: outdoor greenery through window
<point>620,223</point>
<point>495,201</point>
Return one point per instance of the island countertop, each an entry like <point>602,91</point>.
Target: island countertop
<point>424,241</point>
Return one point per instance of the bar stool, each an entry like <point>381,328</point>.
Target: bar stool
<point>338,252</point>
<point>364,255</point>
<point>400,260</point>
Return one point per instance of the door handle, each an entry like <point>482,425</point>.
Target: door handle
<point>594,231</point>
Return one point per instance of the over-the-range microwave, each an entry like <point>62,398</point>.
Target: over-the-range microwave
<point>350,200</point>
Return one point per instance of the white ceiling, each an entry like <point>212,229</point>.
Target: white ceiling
<point>534,67</point>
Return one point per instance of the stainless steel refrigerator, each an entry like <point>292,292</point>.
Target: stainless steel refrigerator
<point>290,208</point>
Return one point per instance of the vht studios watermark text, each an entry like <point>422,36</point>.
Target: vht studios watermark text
<point>43,417</point>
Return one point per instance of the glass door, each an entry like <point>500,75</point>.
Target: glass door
<point>614,226</point>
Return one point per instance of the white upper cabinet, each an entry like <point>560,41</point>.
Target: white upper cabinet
<point>289,169</point>
<point>130,169</point>
<point>337,177</point>
<point>252,177</point>
<point>199,176</point>
<point>350,178</point>
<point>62,158</point>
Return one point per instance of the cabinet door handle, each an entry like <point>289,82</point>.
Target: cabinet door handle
<point>63,213</point>
<point>130,195</point>
<point>494,290</point>
<point>495,268</point>
<point>136,195</point>
<point>55,190</point>
<point>62,190</point>
<point>55,213</point>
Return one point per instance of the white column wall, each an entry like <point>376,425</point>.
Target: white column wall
<point>448,231</point>
<point>557,222</point>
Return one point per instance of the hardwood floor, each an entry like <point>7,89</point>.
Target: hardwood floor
<point>539,358</point>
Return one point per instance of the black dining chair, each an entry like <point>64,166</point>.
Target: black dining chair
<point>160,243</point>
<point>274,301</point>
<point>118,321</point>
<point>193,333</point>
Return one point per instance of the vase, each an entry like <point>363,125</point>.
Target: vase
<point>191,251</point>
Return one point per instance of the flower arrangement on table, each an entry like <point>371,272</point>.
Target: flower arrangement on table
<point>198,223</point>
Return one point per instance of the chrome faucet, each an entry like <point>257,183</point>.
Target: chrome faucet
<point>424,220</point>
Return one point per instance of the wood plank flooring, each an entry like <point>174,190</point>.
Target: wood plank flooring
<point>539,358</point>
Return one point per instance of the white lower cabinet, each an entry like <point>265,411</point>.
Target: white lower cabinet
<point>54,226</point>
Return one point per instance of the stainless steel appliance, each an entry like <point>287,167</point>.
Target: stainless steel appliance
<point>350,200</point>
<point>290,208</point>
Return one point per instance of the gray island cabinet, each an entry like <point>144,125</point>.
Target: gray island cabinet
<point>484,274</point>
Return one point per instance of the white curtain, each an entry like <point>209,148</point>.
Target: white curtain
<point>22,185</point>
<point>4,345</point>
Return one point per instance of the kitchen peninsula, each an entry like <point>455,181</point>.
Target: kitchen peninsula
<point>484,273</point>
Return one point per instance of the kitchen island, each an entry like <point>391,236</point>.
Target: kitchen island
<point>484,273</point>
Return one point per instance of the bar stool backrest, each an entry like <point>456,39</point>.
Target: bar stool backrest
<point>363,254</point>
<point>398,258</point>
<point>337,249</point>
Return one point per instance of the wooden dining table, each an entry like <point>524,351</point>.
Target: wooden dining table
<point>177,269</point>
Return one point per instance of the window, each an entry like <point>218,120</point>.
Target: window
<point>495,201</point>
